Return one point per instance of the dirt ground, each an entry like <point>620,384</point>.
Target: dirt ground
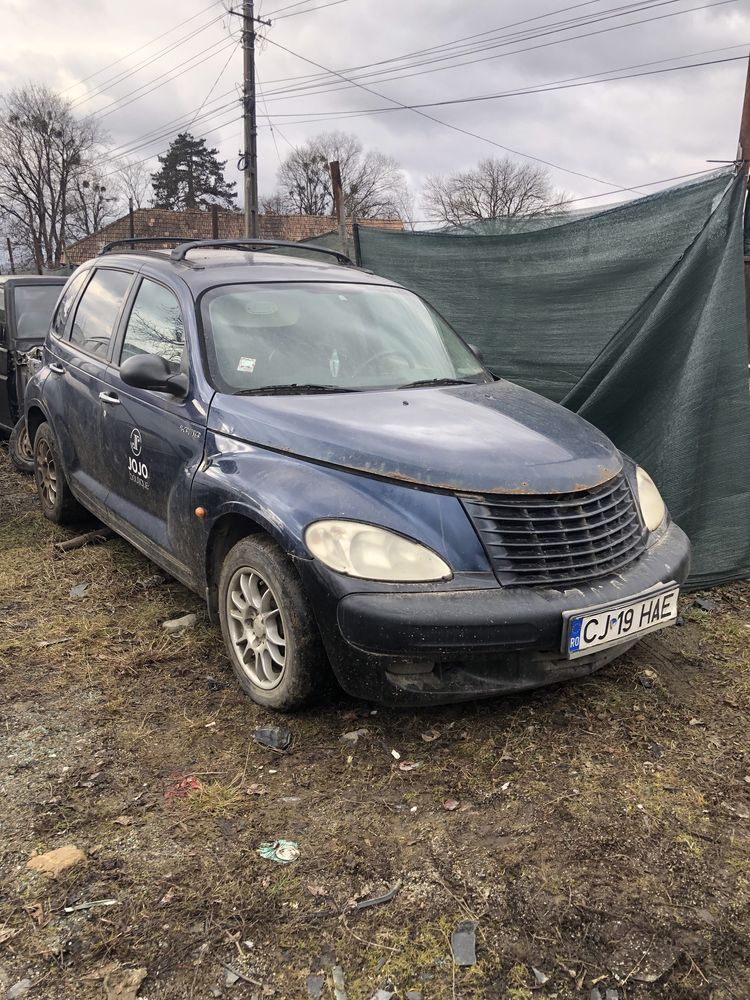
<point>598,834</point>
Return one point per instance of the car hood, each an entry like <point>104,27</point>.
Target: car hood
<point>493,438</point>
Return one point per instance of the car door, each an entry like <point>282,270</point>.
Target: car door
<point>75,389</point>
<point>154,439</point>
<point>6,416</point>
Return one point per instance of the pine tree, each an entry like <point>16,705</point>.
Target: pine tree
<point>191,176</point>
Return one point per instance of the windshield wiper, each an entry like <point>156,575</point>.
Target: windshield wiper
<point>296,388</point>
<point>439,381</point>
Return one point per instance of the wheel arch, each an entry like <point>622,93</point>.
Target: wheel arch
<point>34,420</point>
<point>225,532</point>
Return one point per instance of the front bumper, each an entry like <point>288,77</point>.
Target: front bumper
<point>419,648</point>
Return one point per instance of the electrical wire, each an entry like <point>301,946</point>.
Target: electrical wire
<point>140,48</point>
<point>315,88</point>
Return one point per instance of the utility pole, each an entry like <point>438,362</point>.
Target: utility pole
<point>10,255</point>
<point>339,208</point>
<point>250,156</point>
<point>743,150</point>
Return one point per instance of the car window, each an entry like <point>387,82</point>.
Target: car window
<point>345,335</point>
<point>34,305</point>
<point>98,310</point>
<point>66,302</point>
<point>155,325</point>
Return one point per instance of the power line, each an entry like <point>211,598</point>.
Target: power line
<point>551,87</point>
<point>140,48</point>
<point>310,10</point>
<point>315,88</point>
<point>120,77</point>
<point>512,37</point>
<point>455,128</point>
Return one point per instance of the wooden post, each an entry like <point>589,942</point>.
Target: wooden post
<point>10,255</point>
<point>339,208</point>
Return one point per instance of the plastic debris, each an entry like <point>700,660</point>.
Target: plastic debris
<point>451,804</point>
<point>339,987</point>
<point>355,735</point>
<point>647,678</point>
<point>314,986</point>
<point>91,905</point>
<point>176,625</point>
<point>430,736</point>
<point>464,943</point>
<point>18,990</point>
<point>281,851</point>
<point>54,862</point>
<point>412,995</point>
<point>364,904</point>
<point>395,754</point>
<point>540,977</point>
<point>383,995</point>
<point>409,765</point>
<point>79,590</point>
<point>182,786</point>
<point>273,738</point>
<point>706,604</point>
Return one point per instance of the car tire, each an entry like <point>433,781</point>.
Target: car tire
<point>268,626</point>
<point>55,498</point>
<point>19,448</point>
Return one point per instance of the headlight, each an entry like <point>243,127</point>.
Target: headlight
<point>373,553</point>
<point>652,505</point>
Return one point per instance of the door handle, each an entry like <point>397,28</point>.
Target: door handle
<point>107,397</point>
<point>57,369</point>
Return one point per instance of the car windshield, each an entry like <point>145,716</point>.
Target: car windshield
<point>309,337</point>
<point>34,305</point>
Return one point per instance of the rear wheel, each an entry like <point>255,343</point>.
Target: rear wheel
<point>268,626</point>
<point>56,500</point>
<point>19,448</point>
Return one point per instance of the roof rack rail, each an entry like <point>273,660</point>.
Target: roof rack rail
<point>140,239</point>
<point>180,252</point>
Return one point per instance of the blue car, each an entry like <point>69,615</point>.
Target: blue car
<point>317,452</point>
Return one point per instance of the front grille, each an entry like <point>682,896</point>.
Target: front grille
<point>562,540</point>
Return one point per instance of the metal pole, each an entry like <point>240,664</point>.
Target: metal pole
<point>131,220</point>
<point>10,255</point>
<point>251,129</point>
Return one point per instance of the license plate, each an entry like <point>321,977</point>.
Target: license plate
<point>597,628</point>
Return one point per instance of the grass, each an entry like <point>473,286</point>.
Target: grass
<point>588,812</point>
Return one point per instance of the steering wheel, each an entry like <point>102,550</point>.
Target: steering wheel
<point>376,357</point>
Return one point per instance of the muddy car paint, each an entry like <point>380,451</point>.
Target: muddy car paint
<point>397,458</point>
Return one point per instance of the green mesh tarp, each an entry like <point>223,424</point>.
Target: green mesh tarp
<point>635,318</point>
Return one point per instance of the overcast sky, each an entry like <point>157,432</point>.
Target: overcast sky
<point>623,132</point>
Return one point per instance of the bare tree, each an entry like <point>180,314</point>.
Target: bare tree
<point>494,189</point>
<point>93,204</point>
<point>134,181</point>
<point>43,149</point>
<point>373,183</point>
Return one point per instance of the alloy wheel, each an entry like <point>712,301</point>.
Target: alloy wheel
<point>47,471</point>
<point>256,628</point>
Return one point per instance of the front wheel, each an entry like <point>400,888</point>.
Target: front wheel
<point>19,448</point>
<point>268,626</point>
<point>55,498</point>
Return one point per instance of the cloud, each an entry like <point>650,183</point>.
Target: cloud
<point>626,132</point>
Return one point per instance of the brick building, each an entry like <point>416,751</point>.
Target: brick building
<point>200,225</point>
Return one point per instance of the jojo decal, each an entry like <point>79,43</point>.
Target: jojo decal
<point>137,470</point>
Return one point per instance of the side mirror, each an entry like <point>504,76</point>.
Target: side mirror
<point>477,353</point>
<point>148,371</point>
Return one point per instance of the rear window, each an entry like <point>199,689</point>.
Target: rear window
<point>34,305</point>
